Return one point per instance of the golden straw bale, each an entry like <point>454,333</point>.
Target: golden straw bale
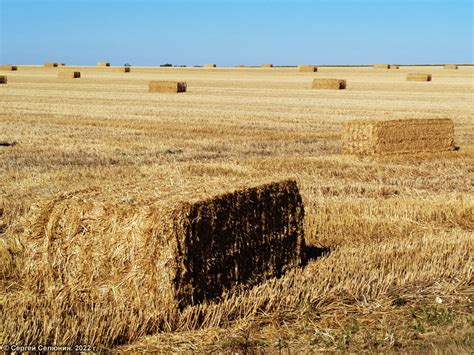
<point>335,84</point>
<point>308,68</point>
<point>372,137</point>
<point>267,65</point>
<point>419,77</point>
<point>450,66</point>
<point>8,67</point>
<point>104,268</point>
<point>3,79</point>
<point>69,74</point>
<point>240,66</point>
<point>103,64</point>
<point>122,69</point>
<point>392,66</point>
<point>51,64</point>
<point>167,86</point>
<point>381,66</point>
<point>209,66</point>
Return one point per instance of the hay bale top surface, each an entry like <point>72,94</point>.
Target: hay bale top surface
<point>329,83</point>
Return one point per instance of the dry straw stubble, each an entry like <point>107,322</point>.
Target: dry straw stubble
<point>101,270</point>
<point>333,84</point>
<point>419,77</point>
<point>372,137</point>
<point>167,86</point>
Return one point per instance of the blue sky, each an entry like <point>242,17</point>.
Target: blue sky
<point>229,32</point>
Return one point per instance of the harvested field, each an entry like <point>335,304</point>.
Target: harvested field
<point>388,238</point>
<point>69,74</point>
<point>419,77</point>
<point>398,136</point>
<point>333,84</point>
<point>8,68</point>
<point>167,86</point>
<point>3,79</point>
<point>308,68</point>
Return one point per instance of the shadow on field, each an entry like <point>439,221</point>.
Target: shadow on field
<point>312,253</point>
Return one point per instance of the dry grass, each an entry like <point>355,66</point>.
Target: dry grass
<point>397,230</point>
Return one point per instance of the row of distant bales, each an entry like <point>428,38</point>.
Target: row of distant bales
<point>359,137</point>
<point>176,86</point>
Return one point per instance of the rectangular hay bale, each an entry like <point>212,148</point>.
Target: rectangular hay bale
<point>69,74</point>
<point>167,86</point>
<point>419,77</point>
<point>333,84</point>
<point>209,66</point>
<point>450,66</point>
<point>374,137</point>
<point>392,66</point>
<point>51,64</point>
<point>3,79</point>
<point>267,65</point>
<point>381,66</point>
<point>8,67</point>
<point>103,64</point>
<point>122,69</point>
<point>308,68</point>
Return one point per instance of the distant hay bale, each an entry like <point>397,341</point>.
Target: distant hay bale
<point>97,259</point>
<point>209,66</point>
<point>308,68</point>
<point>69,74</point>
<point>167,86</point>
<point>391,66</point>
<point>8,67</point>
<point>240,66</point>
<point>381,66</point>
<point>122,69</point>
<point>51,64</point>
<point>3,79</point>
<point>334,84</point>
<point>419,77</point>
<point>373,137</point>
<point>267,65</point>
<point>450,66</point>
<point>103,64</point>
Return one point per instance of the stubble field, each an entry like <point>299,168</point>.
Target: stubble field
<point>391,237</point>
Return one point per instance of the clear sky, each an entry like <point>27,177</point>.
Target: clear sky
<point>229,32</point>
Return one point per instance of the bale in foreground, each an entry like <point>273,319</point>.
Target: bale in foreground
<point>8,67</point>
<point>69,74</point>
<point>167,86</point>
<point>101,269</point>
<point>3,79</point>
<point>450,66</point>
<point>334,84</point>
<point>372,137</point>
<point>308,68</point>
<point>103,64</point>
<point>419,77</point>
